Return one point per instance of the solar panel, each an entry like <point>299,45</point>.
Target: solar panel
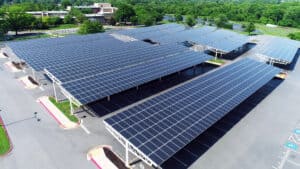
<point>93,88</point>
<point>281,49</point>
<point>161,126</point>
<point>220,39</point>
<point>98,65</point>
<point>42,57</point>
<point>141,33</point>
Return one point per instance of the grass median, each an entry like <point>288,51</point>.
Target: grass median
<point>4,141</point>
<point>64,107</point>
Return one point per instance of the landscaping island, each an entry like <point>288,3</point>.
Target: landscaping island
<point>64,107</point>
<point>4,140</point>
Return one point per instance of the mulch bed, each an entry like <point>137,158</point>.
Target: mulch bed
<point>19,65</point>
<point>33,81</point>
<point>4,54</point>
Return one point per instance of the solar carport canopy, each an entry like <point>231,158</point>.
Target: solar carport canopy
<point>280,49</point>
<point>220,39</point>
<point>43,53</point>
<point>107,62</point>
<point>103,84</point>
<point>152,31</point>
<point>159,127</point>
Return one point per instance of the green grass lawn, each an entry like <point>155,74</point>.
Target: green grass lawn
<point>64,26</point>
<point>218,61</point>
<point>4,141</point>
<point>277,31</point>
<point>64,107</point>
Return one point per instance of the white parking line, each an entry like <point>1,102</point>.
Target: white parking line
<point>297,164</point>
<point>84,128</point>
<point>284,159</point>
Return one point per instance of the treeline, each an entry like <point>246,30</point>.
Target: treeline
<point>15,18</point>
<point>283,14</point>
<point>150,11</point>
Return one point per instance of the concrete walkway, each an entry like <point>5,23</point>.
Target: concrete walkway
<point>62,120</point>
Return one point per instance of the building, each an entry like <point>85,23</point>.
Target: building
<point>60,14</point>
<point>102,12</point>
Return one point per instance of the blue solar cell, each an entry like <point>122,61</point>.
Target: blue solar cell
<point>220,39</point>
<point>281,49</point>
<point>40,57</point>
<point>101,64</point>
<point>93,88</point>
<point>173,119</point>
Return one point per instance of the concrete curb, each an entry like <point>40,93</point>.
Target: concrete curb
<point>57,120</point>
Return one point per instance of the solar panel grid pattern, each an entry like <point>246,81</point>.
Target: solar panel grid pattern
<point>163,125</point>
<point>167,28</point>
<point>41,58</point>
<point>47,42</point>
<point>99,65</point>
<point>184,35</point>
<point>217,38</point>
<point>279,48</point>
<point>102,85</point>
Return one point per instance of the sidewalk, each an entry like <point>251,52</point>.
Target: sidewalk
<point>62,120</point>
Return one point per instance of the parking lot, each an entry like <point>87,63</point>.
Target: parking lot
<point>253,135</point>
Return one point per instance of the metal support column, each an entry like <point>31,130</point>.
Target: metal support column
<point>216,55</point>
<point>127,155</point>
<point>108,98</point>
<point>54,90</point>
<point>137,87</point>
<point>71,106</point>
<point>33,74</point>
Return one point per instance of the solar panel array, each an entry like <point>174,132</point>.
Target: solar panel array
<point>95,66</point>
<point>281,49</point>
<point>44,53</point>
<point>220,39</point>
<point>89,89</point>
<point>152,31</point>
<point>161,126</point>
<point>109,61</point>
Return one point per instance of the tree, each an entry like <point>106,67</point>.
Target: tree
<point>3,24</point>
<point>221,20</point>
<point>51,21</point>
<point>68,19</point>
<point>250,27</point>
<point>124,13</point>
<point>295,36</point>
<point>65,3</point>
<point>190,21</point>
<point>78,15</point>
<point>90,27</point>
<point>145,19</point>
<point>17,19</point>
<point>178,18</point>
<point>3,27</point>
